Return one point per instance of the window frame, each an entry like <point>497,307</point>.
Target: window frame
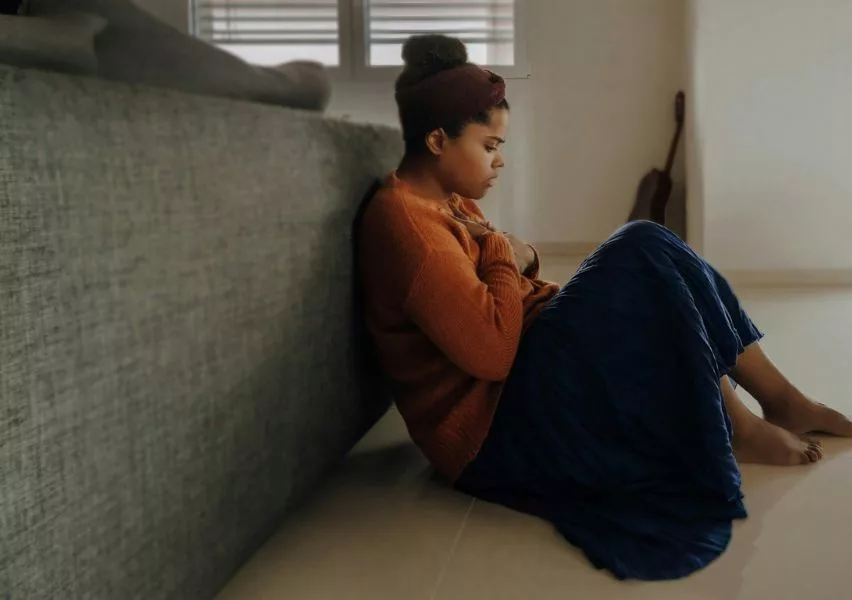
<point>353,33</point>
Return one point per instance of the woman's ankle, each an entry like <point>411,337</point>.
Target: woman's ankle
<point>781,401</point>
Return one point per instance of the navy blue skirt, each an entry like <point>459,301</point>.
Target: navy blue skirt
<point>612,425</point>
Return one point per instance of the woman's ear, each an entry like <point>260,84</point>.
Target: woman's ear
<point>435,141</point>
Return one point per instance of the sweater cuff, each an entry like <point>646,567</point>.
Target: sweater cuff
<point>495,248</point>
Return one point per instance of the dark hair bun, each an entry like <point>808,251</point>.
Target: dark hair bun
<point>425,55</point>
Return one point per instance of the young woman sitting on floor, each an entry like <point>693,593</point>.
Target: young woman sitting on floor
<point>606,407</point>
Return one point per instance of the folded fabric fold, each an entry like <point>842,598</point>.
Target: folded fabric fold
<point>135,47</point>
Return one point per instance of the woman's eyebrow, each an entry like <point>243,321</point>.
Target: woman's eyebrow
<point>496,138</point>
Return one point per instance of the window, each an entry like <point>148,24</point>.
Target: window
<point>270,32</point>
<point>357,36</point>
<point>486,27</point>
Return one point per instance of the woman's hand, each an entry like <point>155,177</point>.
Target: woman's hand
<point>476,230</point>
<point>524,255</point>
<point>461,217</point>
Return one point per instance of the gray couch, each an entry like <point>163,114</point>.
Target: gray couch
<point>177,364</point>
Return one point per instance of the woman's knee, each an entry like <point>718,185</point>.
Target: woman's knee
<point>648,236</point>
<point>643,230</point>
<point>641,233</point>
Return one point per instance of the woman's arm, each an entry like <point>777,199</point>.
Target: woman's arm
<point>475,318</point>
<point>526,257</point>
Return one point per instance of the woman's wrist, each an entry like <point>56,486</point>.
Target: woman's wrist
<point>495,246</point>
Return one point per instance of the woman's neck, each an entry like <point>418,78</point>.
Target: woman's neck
<point>421,180</point>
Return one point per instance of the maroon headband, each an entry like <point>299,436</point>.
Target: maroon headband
<point>449,96</point>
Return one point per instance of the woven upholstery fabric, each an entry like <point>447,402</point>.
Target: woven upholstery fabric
<point>177,365</point>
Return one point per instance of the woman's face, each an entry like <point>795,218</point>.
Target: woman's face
<point>468,164</point>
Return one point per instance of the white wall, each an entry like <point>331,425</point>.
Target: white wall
<point>772,160</point>
<point>596,114</point>
<point>593,118</point>
<point>605,74</point>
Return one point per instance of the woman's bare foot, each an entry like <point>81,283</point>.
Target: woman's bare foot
<point>799,414</point>
<point>767,444</point>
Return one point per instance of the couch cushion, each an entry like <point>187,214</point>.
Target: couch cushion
<point>58,42</point>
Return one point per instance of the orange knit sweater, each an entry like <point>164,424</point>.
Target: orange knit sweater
<point>447,314</point>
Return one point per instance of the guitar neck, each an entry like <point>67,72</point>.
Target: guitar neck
<point>673,148</point>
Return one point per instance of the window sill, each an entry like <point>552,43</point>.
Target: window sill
<point>389,74</point>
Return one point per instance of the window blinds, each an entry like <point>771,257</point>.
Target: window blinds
<point>271,31</point>
<point>487,27</point>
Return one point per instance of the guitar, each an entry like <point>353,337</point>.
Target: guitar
<point>656,186</point>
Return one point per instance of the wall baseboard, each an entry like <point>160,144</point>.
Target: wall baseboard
<point>791,278</point>
<point>765,278</point>
<point>565,250</point>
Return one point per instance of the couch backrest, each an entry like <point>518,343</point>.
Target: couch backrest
<point>176,360</point>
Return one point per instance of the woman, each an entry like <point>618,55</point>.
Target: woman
<point>607,407</point>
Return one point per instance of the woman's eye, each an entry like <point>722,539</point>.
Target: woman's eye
<point>490,148</point>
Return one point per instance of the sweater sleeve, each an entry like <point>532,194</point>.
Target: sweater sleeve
<point>474,318</point>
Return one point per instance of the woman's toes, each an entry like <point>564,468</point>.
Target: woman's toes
<point>771,445</point>
<point>814,451</point>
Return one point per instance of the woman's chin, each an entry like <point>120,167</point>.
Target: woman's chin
<point>479,194</point>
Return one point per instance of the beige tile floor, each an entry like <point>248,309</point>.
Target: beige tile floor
<point>384,528</point>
